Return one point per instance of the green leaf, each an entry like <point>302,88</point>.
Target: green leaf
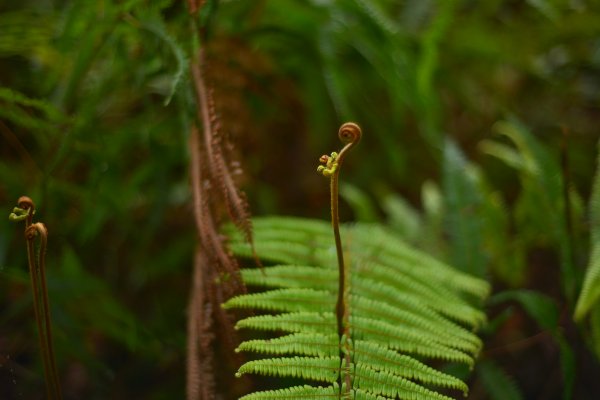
<point>590,292</point>
<point>498,385</point>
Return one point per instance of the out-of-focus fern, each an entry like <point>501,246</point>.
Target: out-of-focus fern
<point>405,307</point>
<point>541,202</point>
<point>499,385</point>
<point>590,293</point>
<point>463,204</point>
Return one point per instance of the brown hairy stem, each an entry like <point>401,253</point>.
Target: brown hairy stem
<point>216,275</point>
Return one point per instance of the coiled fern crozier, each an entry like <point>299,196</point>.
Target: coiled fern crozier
<point>364,329</point>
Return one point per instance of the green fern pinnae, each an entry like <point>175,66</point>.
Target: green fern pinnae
<point>322,369</point>
<point>293,239</point>
<point>291,322</point>
<point>436,291</point>
<point>292,276</point>
<point>296,276</point>
<point>393,386</point>
<point>447,332</point>
<point>290,300</point>
<point>300,393</point>
<point>406,340</point>
<point>390,361</point>
<point>392,249</point>
<point>404,308</point>
<point>294,300</point>
<point>402,294</point>
<point>283,251</point>
<point>435,296</point>
<point>364,352</point>
<point>306,344</point>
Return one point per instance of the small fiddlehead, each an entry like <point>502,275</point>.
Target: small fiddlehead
<point>24,212</point>
<point>350,134</point>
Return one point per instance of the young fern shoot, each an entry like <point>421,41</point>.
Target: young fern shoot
<point>24,212</point>
<point>350,134</point>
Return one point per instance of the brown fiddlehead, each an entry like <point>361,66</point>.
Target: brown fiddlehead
<point>350,134</point>
<point>37,272</point>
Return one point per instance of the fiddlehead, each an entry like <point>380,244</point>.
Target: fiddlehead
<point>350,134</point>
<point>25,211</point>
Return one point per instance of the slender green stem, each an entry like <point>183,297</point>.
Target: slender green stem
<point>350,134</point>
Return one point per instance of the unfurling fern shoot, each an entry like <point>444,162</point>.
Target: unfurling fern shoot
<point>350,134</point>
<point>37,273</point>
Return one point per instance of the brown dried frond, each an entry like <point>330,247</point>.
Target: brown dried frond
<point>208,235</point>
<point>216,271</point>
<point>235,200</point>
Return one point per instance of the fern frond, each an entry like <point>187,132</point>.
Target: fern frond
<point>405,307</point>
<point>498,383</point>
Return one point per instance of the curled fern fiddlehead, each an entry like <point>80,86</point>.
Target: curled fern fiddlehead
<point>24,212</point>
<point>350,134</point>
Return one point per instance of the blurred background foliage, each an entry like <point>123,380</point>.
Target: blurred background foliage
<point>480,125</point>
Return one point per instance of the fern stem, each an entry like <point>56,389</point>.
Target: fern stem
<point>41,309</point>
<point>350,134</point>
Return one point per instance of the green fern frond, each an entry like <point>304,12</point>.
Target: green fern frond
<point>405,308</point>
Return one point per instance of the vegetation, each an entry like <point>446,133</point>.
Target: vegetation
<point>134,124</point>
